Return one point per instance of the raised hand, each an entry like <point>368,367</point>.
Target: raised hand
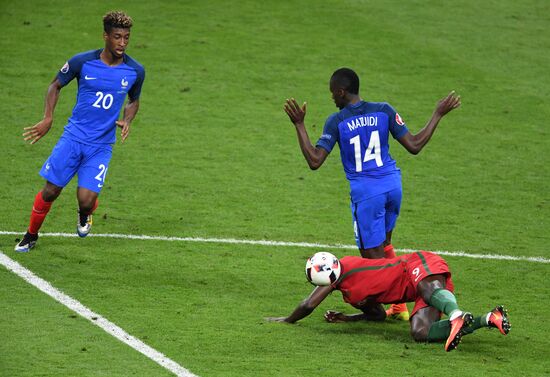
<point>294,111</point>
<point>447,104</point>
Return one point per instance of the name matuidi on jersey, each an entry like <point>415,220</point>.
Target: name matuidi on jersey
<point>368,121</point>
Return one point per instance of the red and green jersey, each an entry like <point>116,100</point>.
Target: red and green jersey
<point>388,281</point>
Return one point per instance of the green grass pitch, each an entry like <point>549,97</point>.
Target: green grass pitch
<point>212,154</point>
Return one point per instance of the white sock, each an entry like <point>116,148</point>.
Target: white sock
<point>455,314</point>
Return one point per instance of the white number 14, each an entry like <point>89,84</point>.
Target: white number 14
<point>372,152</point>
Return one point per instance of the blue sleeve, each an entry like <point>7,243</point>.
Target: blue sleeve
<point>70,69</point>
<point>135,90</point>
<point>330,134</point>
<point>397,126</point>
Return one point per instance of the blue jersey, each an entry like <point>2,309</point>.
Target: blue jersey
<point>362,132</point>
<point>102,90</point>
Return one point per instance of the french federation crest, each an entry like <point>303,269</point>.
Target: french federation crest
<point>124,83</point>
<point>398,119</point>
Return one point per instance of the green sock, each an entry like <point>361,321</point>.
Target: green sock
<point>478,323</point>
<point>444,301</point>
<point>439,330</point>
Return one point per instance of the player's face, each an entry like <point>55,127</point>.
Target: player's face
<point>338,95</point>
<point>116,41</point>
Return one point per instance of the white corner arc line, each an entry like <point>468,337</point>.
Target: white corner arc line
<point>93,317</point>
<point>285,244</point>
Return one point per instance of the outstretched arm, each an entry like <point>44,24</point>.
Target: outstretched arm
<point>313,155</point>
<point>130,111</point>
<point>415,143</point>
<point>371,311</point>
<point>305,307</point>
<point>41,128</point>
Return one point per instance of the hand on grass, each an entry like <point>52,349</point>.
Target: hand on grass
<point>334,316</point>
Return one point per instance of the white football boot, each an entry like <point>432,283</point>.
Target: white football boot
<point>83,230</point>
<point>27,243</point>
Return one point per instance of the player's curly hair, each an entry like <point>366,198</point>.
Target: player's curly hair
<point>116,19</point>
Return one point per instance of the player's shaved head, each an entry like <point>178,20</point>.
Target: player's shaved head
<point>346,79</point>
<point>116,20</point>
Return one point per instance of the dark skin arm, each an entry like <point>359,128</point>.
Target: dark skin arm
<point>36,132</point>
<point>130,111</point>
<point>306,307</point>
<point>313,155</point>
<point>371,311</point>
<point>415,143</point>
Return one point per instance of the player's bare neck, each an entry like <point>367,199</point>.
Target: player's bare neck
<point>108,58</point>
<point>354,98</point>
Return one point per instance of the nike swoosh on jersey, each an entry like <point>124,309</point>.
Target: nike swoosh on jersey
<point>89,78</point>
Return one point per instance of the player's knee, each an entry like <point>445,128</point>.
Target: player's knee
<point>50,193</point>
<point>426,287</point>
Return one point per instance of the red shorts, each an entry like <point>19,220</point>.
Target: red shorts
<point>421,265</point>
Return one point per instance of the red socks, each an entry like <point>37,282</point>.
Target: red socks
<point>390,252</point>
<point>40,209</point>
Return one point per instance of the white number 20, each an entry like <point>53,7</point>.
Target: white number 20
<point>102,173</point>
<point>103,101</point>
<point>372,153</point>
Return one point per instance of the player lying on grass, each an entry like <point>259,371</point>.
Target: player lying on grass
<point>366,284</point>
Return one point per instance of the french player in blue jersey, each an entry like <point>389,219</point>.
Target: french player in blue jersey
<point>105,78</point>
<point>362,131</point>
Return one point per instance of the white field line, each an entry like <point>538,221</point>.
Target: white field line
<point>286,244</point>
<point>93,317</point>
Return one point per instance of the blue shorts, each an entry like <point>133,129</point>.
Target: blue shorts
<point>70,157</point>
<point>374,217</point>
